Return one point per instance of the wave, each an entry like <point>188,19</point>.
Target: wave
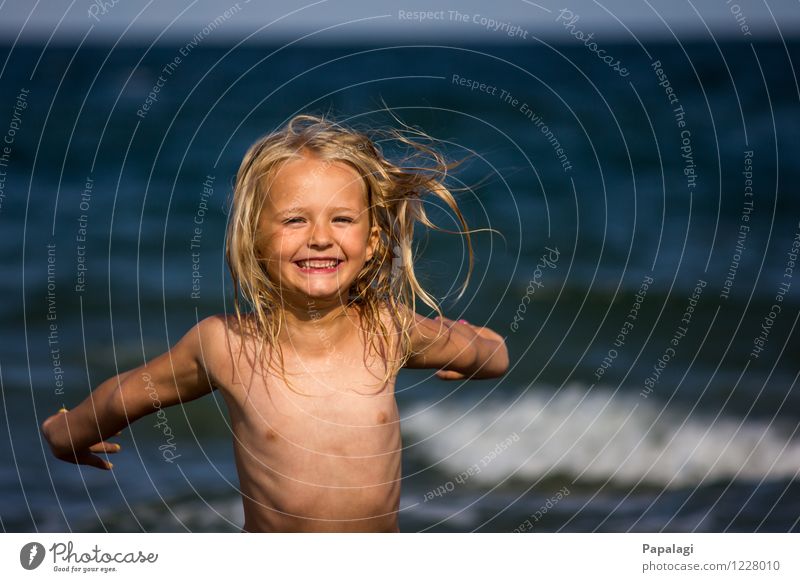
<point>596,436</point>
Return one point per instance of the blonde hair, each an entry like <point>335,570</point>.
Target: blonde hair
<point>394,192</point>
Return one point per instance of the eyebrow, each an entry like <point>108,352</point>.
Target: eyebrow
<point>296,209</point>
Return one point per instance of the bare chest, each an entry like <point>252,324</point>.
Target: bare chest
<point>341,403</point>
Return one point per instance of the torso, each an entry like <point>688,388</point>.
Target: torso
<point>327,459</point>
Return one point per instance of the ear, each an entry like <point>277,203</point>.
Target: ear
<point>372,241</point>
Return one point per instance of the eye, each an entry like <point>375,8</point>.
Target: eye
<point>291,220</point>
<point>345,218</point>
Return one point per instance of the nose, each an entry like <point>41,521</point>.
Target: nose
<point>320,236</point>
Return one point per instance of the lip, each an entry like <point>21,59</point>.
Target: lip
<point>319,270</point>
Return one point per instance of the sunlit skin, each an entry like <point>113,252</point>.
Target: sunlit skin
<point>315,208</point>
<point>328,460</point>
<point>325,454</point>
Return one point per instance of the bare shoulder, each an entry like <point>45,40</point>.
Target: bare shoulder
<point>420,329</point>
<point>388,318</point>
<point>403,322</point>
<point>213,331</point>
<point>222,328</point>
<point>392,325</point>
<point>222,337</point>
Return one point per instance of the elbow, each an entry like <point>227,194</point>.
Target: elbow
<point>500,362</point>
<point>495,366</point>
<point>503,361</point>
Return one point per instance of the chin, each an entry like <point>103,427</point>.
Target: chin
<point>326,295</point>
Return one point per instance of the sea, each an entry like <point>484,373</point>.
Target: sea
<point>637,232</point>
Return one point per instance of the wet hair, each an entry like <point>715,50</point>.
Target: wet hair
<point>394,203</point>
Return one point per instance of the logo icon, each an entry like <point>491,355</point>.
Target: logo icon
<point>397,263</point>
<point>31,555</point>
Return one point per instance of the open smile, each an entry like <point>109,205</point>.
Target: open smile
<point>318,267</point>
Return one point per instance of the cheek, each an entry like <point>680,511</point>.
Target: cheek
<point>275,245</point>
<point>261,236</point>
<point>356,238</point>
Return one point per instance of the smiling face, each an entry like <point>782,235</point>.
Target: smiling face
<point>315,210</point>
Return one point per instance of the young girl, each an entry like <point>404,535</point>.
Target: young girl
<point>320,247</point>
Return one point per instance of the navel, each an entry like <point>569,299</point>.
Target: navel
<point>382,417</point>
<point>270,434</point>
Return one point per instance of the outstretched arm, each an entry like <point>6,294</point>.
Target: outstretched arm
<point>178,375</point>
<point>457,349</point>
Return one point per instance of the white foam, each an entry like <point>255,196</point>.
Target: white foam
<point>595,436</point>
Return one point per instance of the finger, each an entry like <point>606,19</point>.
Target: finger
<point>105,447</point>
<point>449,375</point>
<point>94,461</point>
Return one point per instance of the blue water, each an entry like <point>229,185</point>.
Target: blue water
<point>710,444</point>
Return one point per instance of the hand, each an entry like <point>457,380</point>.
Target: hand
<point>450,375</point>
<point>482,332</point>
<point>55,430</point>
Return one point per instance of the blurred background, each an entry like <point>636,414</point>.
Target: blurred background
<point>636,158</point>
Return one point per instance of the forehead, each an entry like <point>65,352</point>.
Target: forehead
<point>307,181</point>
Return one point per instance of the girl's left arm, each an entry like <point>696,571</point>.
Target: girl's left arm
<point>457,349</point>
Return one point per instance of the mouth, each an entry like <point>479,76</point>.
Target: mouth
<point>319,267</point>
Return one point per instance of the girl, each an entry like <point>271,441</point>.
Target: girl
<point>319,247</point>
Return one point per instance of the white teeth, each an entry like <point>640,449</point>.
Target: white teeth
<point>317,264</point>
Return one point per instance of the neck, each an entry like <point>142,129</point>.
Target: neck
<point>315,324</point>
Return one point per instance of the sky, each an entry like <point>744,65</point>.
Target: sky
<point>34,21</point>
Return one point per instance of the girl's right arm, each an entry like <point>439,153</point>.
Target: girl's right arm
<point>176,376</point>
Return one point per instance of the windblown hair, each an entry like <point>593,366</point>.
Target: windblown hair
<point>394,203</point>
